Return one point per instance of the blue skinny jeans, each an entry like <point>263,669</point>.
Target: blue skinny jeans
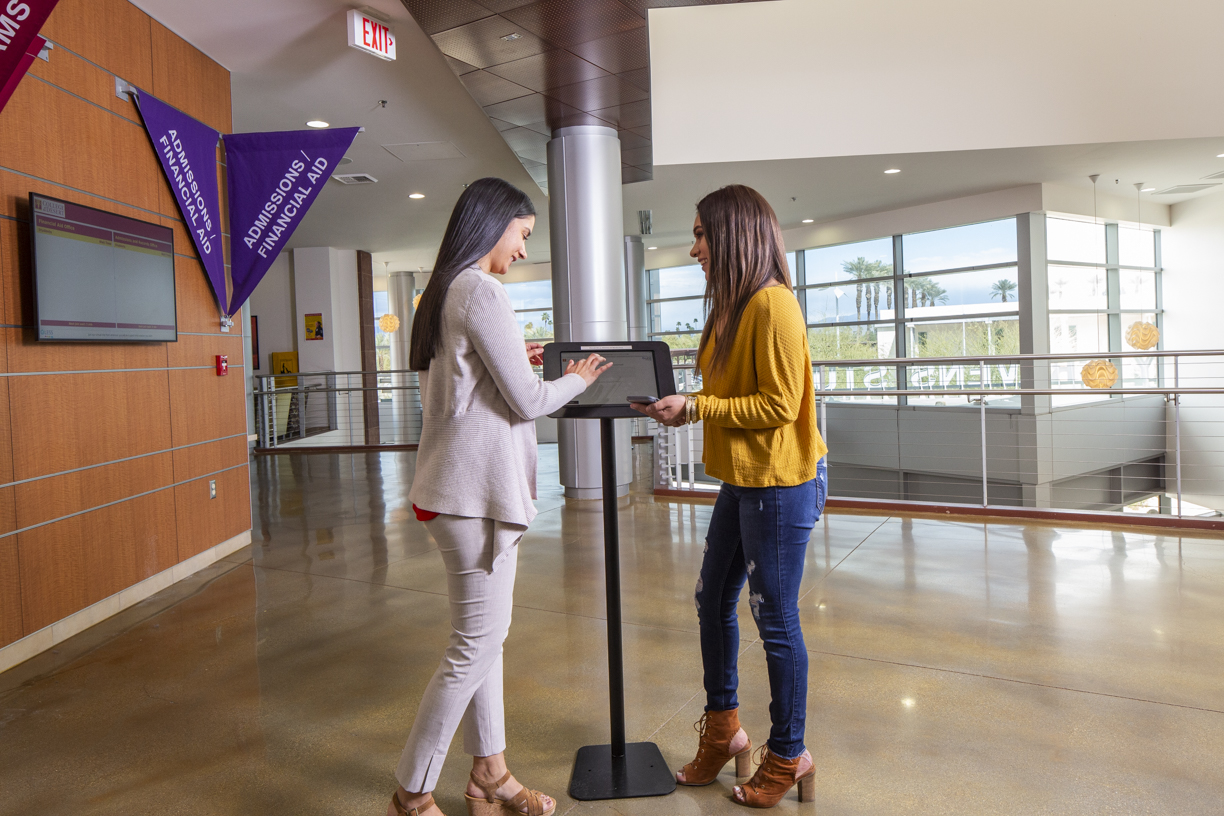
<point>760,535</point>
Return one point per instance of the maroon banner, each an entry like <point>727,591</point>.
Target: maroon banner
<point>20,22</point>
<point>23,65</point>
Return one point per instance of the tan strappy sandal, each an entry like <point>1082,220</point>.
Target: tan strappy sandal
<point>426,808</point>
<point>492,806</point>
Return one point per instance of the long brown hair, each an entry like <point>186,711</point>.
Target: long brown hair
<point>476,224</point>
<point>746,256</point>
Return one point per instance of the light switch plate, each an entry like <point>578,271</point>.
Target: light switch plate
<point>212,488</point>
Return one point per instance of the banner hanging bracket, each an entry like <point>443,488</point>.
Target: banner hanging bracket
<point>45,53</point>
<point>123,89</point>
<point>227,323</point>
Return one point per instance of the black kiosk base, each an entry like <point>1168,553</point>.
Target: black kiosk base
<point>619,770</point>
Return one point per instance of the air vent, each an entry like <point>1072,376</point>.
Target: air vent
<point>1185,189</point>
<point>356,178</point>
<point>1219,175</point>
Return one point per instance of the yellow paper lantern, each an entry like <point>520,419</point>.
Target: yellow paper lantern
<point>1099,374</point>
<point>416,301</point>
<point>1142,336</point>
<point>388,323</point>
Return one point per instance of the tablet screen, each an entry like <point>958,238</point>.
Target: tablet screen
<point>632,374</point>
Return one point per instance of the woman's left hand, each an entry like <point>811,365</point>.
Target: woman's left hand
<point>667,411</point>
<point>535,354</point>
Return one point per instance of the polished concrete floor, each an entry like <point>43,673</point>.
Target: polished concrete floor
<point>955,668</point>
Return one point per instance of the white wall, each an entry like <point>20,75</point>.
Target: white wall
<point>1193,258</point>
<point>800,78</point>
<point>272,303</point>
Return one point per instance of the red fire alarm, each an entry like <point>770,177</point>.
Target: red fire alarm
<point>222,365</point>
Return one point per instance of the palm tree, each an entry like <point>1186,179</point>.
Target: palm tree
<point>1001,289</point>
<point>862,269</point>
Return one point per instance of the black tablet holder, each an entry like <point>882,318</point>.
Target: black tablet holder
<point>618,770</point>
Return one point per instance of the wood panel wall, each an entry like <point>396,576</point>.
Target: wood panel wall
<point>106,451</point>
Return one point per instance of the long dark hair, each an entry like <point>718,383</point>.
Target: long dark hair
<point>477,223</point>
<point>746,255</point>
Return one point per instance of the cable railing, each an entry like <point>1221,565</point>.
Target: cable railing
<point>337,409</point>
<point>1009,431</point>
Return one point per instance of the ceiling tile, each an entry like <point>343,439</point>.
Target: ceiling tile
<point>569,22</point>
<point>595,94</point>
<point>642,130</point>
<point>637,156</point>
<point>480,43</point>
<point>632,115</point>
<point>459,66</point>
<point>623,51</point>
<point>631,174</point>
<point>488,89</point>
<point>424,151</point>
<point>640,6</point>
<point>501,124</point>
<point>539,173</point>
<point>630,140</point>
<point>529,110</point>
<point>639,78</point>
<point>549,70</point>
<point>439,15</point>
<point>527,144</point>
<point>499,6</point>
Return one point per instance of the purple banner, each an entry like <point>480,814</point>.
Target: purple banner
<point>187,150</point>
<point>20,22</point>
<point>273,180</point>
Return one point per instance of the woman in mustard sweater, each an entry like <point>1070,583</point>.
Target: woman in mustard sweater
<point>761,440</point>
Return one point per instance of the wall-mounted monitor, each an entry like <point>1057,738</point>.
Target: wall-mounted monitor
<point>99,276</point>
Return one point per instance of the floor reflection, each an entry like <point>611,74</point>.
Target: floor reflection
<point>955,667</point>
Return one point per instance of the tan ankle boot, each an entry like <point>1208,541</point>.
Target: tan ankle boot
<point>717,729</point>
<point>774,777</point>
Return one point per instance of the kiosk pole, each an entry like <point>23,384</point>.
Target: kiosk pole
<point>618,770</point>
<point>616,654</point>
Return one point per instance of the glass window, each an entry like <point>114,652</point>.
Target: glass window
<point>959,247</point>
<point>983,290</point>
<point>846,262</point>
<point>382,341</point>
<point>678,316</point>
<point>677,281</point>
<point>1137,289</point>
<point>842,303</point>
<point>530,294</point>
<point>963,338</point>
<point>1136,247</point>
<point>1139,372</point>
<point>852,342</point>
<point>533,308</point>
<point>1077,287</point>
<point>1079,333</point>
<point>1080,241</point>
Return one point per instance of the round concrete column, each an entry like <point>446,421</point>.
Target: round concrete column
<point>405,400</point>
<point>586,222</point>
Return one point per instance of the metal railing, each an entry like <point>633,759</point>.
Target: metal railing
<point>328,409</point>
<point>1015,426</point>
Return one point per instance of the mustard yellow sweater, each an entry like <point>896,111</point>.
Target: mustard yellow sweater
<point>760,411</point>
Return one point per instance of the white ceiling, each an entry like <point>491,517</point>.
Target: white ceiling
<point>289,62</point>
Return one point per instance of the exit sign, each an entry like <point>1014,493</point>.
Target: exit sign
<point>370,35</point>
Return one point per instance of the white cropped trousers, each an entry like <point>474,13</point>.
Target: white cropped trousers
<point>467,686</point>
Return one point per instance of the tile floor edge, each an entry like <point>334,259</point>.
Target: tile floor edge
<point>35,643</point>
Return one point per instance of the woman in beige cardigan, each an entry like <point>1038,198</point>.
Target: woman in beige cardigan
<point>474,485</point>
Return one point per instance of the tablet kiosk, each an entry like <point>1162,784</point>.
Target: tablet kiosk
<point>619,770</point>
<point>638,369</point>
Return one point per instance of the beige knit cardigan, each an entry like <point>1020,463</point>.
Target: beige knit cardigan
<point>479,400</point>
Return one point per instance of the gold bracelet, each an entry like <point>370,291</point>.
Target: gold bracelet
<point>690,409</point>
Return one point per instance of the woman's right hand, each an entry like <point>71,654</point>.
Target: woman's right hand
<point>588,369</point>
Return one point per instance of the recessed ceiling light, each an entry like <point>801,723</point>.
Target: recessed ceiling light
<point>317,123</point>
<point>511,37</point>
<point>892,170</point>
<point>416,195</point>
<point>652,247</point>
<point>1220,156</point>
<point>808,220</point>
<point>1147,189</point>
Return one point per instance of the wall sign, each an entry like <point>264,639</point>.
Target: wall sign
<point>370,35</point>
<point>314,326</point>
<point>20,21</point>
